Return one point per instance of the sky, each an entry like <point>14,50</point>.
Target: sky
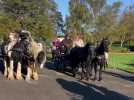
<point>63,6</point>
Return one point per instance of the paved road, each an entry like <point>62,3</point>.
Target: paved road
<point>52,85</point>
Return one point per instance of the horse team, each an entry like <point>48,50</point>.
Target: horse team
<point>21,56</point>
<point>83,58</point>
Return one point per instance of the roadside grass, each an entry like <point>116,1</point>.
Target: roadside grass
<point>122,61</point>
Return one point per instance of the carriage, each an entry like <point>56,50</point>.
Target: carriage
<point>59,53</point>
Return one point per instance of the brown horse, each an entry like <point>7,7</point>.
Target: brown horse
<point>38,52</point>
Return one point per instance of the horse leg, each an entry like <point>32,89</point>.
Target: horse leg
<point>43,62</point>
<point>62,66</point>
<point>106,63</point>
<point>87,72</point>
<point>18,74</point>
<point>90,68</point>
<point>82,74</point>
<point>95,70</point>
<point>41,65</point>
<point>10,75</point>
<point>35,73</point>
<point>5,68</point>
<point>29,72</point>
<point>81,70</point>
<point>100,72</point>
<point>106,59</point>
<point>73,71</point>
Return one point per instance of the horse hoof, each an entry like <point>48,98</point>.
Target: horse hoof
<point>93,79</point>
<point>99,79</point>
<point>5,74</point>
<point>87,79</point>
<point>10,78</point>
<point>90,74</point>
<point>27,78</point>
<point>74,75</point>
<point>19,78</point>
<point>35,76</point>
<point>81,78</point>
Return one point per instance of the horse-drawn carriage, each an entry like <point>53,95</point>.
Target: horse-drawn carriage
<point>82,59</point>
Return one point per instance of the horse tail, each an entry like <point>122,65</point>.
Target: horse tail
<point>42,57</point>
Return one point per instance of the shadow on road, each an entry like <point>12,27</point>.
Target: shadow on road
<point>125,77</point>
<point>50,66</point>
<point>89,91</point>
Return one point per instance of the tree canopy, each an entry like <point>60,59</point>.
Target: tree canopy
<point>38,16</point>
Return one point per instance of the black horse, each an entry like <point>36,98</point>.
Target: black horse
<point>78,58</point>
<point>84,59</point>
<point>100,58</point>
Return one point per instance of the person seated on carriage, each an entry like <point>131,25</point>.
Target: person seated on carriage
<point>78,42</point>
<point>62,49</point>
<point>67,42</point>
<point>55,48</point>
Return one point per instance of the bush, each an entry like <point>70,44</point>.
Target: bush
<point>124,50</point>
<point>131,48</point>
<point>117,48</point>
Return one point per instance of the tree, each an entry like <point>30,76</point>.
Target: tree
<point>38,16</point>
<point>93,17</point>
<point>7,25</point>
<point>78,17</point>
<point>60,24</point>
<point>125,28</point>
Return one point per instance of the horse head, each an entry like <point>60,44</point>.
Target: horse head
<point>13,36</point>
<point>25,35</point>
<point>106,44</point>
<point>12,41</point>
<point>103,46</point>
<point>25,40</point>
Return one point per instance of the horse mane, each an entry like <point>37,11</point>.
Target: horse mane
<point>36,47</point>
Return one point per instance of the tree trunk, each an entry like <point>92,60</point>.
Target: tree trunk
<point>121,43</point>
